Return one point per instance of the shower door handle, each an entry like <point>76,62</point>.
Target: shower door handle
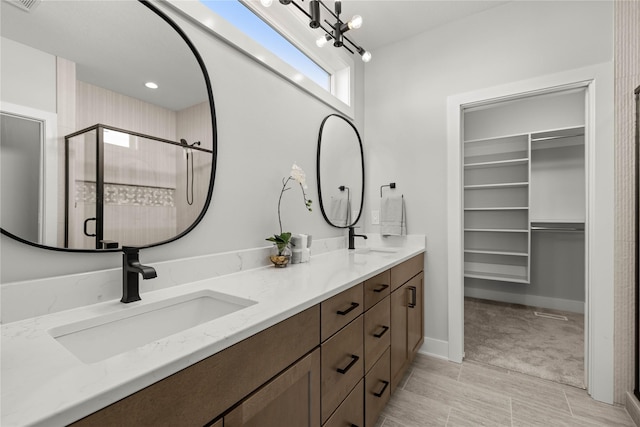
<point>86,221</point>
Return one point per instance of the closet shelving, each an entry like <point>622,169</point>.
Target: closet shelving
<point>496,208</point>
<point>499,210</point>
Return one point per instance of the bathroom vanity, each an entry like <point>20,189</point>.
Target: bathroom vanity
<point>321,343</point>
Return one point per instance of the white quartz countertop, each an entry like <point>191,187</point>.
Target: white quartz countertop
<point>45,384</point>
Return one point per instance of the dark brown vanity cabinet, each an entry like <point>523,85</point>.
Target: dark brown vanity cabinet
<point>407,315</point>
<point>332,365</point>
<point>205,390</point>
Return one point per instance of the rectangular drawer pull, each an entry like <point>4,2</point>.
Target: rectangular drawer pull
<point>413,302</point>
<point>384,387</point>
<point>380,288</point>
<point>384,331</point>
<point>354,359</point>
<point>354,305</point>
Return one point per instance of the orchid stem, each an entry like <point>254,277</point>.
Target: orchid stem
<point>284,185</point>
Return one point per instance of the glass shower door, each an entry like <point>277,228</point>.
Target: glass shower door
<point>82,227</point>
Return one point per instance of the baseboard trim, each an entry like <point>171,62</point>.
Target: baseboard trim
<point>633,407</point>
<point>435,348</point>
<point>531,300</point>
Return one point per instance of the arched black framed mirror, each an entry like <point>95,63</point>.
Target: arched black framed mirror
<point>340,171</point>
<point>108,126</point>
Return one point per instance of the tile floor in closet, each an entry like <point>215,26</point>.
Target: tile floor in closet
<point>436,392</point>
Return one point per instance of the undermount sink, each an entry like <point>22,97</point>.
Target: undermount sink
<point>376,250</point>
<point>101,337</point>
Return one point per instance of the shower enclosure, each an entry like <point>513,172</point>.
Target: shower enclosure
<point>123,188</point>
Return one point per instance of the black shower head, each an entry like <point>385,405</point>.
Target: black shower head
<point>183,141</point>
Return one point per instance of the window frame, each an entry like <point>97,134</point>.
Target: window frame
<point>292,25</point>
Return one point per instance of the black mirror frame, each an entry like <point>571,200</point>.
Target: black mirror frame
<point>214,149</point>
<point>324,214</point>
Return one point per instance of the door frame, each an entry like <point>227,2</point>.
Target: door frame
<point>599,231</point>
<point>48,211</point>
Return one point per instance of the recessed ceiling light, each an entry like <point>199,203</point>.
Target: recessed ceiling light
<point>151,85</point>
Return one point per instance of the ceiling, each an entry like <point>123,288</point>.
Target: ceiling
<point>389,21</point>
<point>120,45</point>
<point>117,45</point>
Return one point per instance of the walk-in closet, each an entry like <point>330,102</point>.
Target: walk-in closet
<point>524,234</point>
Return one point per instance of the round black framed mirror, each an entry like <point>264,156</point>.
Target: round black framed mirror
<point>340,171</point>
<point>108,126</point>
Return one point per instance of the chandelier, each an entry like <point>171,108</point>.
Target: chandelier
<point>335,31</point>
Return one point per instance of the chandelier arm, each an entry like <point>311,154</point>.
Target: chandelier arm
<point>330,25</point>
<point>329,10</point>
<point>355,46</point>
<point>301,9</point>
<point>329,33</point>
<point>352,52</point>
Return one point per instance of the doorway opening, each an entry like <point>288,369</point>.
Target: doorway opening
<point>524,217</point>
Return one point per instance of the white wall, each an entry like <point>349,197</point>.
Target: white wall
<point>28,76</point>
<point>264,124</point>
<point>406,90</point>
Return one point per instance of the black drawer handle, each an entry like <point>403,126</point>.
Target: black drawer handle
<point>384,387</point>
<point>354,359</point>
<point>348,310</point>
<point>413,302</point>
<point>384,331</point>
<point>380,288</point>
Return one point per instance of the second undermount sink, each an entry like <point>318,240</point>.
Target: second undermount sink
<point>376,249</point>
<point>98,338</point>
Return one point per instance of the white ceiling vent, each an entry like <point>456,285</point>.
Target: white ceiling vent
<point>26,5</point>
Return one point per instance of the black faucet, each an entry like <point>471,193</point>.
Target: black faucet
<point>131,268</point>
<point>352,237</point>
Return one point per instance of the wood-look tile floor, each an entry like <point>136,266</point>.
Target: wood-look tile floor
<point>436,392</point>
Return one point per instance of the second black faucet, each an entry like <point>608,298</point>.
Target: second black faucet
<point>352,237</point>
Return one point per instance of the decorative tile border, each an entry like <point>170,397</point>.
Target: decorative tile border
<point>123,194</point>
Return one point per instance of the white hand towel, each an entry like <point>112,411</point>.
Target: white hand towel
<point>392,216</point>
<point>339,211</point>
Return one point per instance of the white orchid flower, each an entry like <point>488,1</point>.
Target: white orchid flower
<point>299,176</point>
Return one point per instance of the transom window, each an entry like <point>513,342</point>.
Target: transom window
<point>243,18</point>
<point>277,39</point>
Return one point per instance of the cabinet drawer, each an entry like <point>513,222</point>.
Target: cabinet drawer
<point>405,271</point>
<point>351,411</point>
<point>376,288</point>
<point>377,389</point>
<point>342,366</point>
<point>377,322</point>
<point>338,311</point>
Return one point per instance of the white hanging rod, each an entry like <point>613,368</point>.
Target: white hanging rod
<point>556,229</point>
<point>548,138</point>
